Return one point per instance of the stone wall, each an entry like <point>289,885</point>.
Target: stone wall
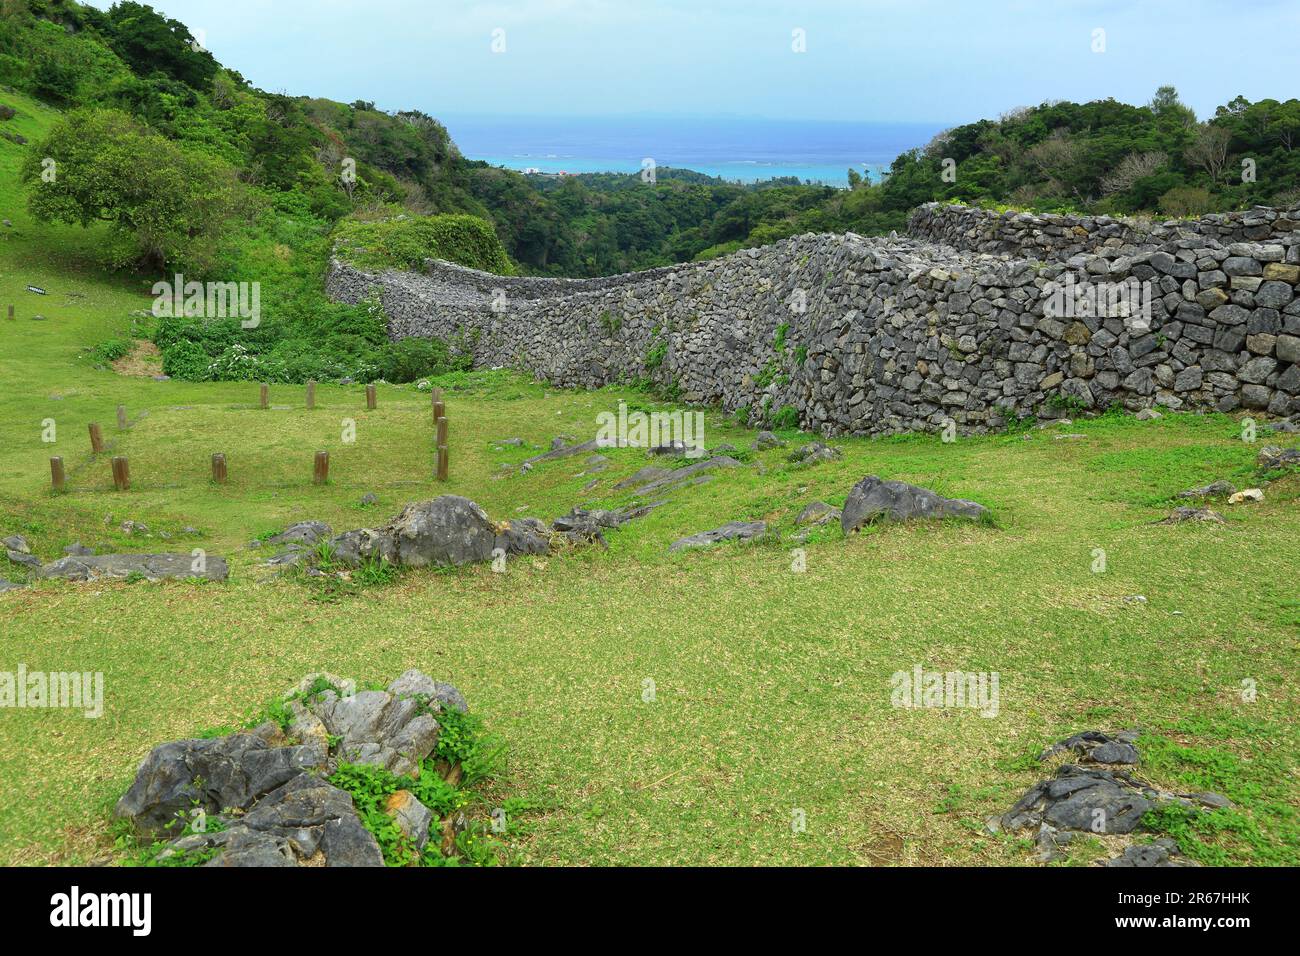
<point>882,335</point>
<point>1051,236</point>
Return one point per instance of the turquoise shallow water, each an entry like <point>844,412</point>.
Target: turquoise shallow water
<point>744,150</point>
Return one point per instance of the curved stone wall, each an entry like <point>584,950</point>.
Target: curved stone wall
<point>882,335</point>
<point>1050,236</point>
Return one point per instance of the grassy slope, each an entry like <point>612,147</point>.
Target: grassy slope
<point>772,687</point>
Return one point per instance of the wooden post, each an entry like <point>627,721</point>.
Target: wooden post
<point>57,477</point>
<point>121,417</point>
<point>442,448</point>
<point>121,473</point>
<point>219,468</point>
<point>11,313</point>
<point>265,395</point>
<point>322,472</point>
<point>437,400</point>
<point>96,439</point>
<point>311,394</point>
<point>372,397</point>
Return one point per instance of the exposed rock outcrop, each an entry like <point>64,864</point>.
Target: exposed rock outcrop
<point>261,797</point>
<point>874,499</point>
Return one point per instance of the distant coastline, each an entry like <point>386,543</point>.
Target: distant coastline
<point>733,149</point>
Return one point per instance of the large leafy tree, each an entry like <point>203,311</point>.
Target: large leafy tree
<point>101,165</point>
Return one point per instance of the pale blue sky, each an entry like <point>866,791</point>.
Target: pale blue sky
<point>945,61</point>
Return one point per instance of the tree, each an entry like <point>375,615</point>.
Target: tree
<point>1209,150</point>
<point>1132,167</point>
<point>173,205</point>
<point>148,42</point>
<point>1285,126</point>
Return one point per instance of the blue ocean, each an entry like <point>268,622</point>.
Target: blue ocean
<point>735,149</point>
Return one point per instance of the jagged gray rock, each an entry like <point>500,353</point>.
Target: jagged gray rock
<point>1271,457</point>
<point>1083,799</point>
<point>1215,489</point>
<point>731,531</point>
<point>874,499</point>
<point>268,789</point>
<point>814,452</point>
<point>379,728</point>
<point>1181,514</point>
<point>212,774</point>
<point>304,533</point>
<point>1094,746</point>
<point>1159,853</point>
<point>816,514</point>
<point>155,567</point>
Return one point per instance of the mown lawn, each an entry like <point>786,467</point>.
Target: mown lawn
<point>771,689</point>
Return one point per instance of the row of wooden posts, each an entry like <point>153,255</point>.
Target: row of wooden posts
<point>264,398</point>
<point>320,468</point>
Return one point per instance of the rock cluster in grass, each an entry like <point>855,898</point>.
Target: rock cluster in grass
<point>1095,796</point>
<point>261,797</point>
<point>851,335</point>
<point>81,564</point>
<point>449,531</point>
<point>870,500</point>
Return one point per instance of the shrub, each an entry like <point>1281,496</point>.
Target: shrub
<point>112,350</point>
<point>187,360</point>
<point>1184,201</point>
<point>406,241</point>
<point>410,359</point>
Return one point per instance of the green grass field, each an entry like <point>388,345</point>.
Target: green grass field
<point>771,688</point>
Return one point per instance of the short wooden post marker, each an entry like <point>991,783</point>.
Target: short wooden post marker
<point>265,395</point>
<point>322,472</point>
<point>11,313</point>
<point>442,448</point>
<point>121,473</point>
<point>311,394</point>
<point>372,397</point>
<point>57,477</point>
<point>219,468</point>
<point>96,438</point>
<point>121,417</point>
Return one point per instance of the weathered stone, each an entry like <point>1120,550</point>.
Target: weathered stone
<point>303,533</point>
<point>228,772</point>
<point>731,531</point>
<point>817,513</point>
<point>1160,853</point>
<point>1181,514</point>
<point>377,728</point>
<point>154,567</point>
<point>873,499</point>
<point>1214,489</point>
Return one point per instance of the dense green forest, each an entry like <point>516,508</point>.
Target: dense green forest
<point>195,170</point>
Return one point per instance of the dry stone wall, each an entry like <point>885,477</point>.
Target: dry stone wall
<point>1052,236</point>
<point>882,335</point>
